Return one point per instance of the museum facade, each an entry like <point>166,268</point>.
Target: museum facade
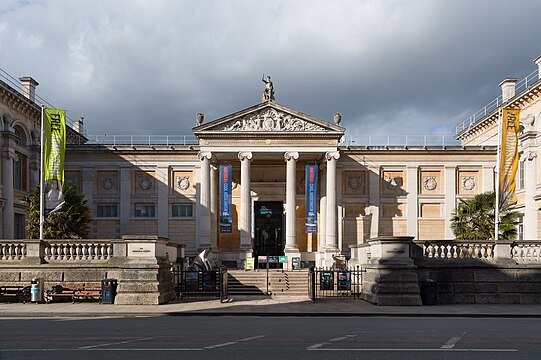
<point>172,188</point>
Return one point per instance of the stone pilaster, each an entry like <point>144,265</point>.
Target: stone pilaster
<point>7,193</point>
<point>245,205</point>
<point>125,200</point>
<point>214,183</point>
<point>373,193</point>
<point>450,199</point>
<point>162,174</point>
<point>412,178</point>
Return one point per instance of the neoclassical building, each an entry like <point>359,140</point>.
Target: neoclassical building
<point>169,186</point>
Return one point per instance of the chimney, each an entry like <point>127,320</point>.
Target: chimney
<point>29,87</point>
<point>537,61</point>
<point>508,88</point>
<point>78,125</point>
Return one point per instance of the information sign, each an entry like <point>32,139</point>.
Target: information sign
<point>250,263</point>
<point>282,259</point>
<point>273,259</point>
<point>326,280</point>
<point>344,280</point>
<point>296,263</point>
<point>261,259</point>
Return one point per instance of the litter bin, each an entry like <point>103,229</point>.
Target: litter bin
<point>108,291</point>
<point>429,294</point>
<point>36,290</point>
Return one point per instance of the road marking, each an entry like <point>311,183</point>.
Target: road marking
<point>451,342</point>
<point>317,346</point>
<point>234,342</point>
<point>455,350</point>
<point>115,343</point>
<point>101,349</point>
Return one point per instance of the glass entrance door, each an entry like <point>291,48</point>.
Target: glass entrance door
<point>268,231</point>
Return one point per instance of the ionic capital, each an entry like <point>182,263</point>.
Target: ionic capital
<point>204,155</point>
<point>532,155</point>
<point>332,155</point>
<point>291,155</point>
<point>245,155</point>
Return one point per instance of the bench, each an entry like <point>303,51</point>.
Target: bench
<point>14,293</point>
<point>78,292</point>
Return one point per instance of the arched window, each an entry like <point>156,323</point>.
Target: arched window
<point>21,134</point>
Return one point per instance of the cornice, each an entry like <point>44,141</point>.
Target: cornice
<point>18,102</point>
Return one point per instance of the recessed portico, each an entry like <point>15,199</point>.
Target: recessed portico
<point>268,147</point>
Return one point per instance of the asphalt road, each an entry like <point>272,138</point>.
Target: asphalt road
<point>228,337</point>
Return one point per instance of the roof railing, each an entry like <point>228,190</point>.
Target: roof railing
<point>492,106</point>
<point>16,85</point>
<point>139,140</point>
<point>399,140</point>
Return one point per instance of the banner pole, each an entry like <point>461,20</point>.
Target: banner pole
<point>41,182</point>
<point>498,178</point>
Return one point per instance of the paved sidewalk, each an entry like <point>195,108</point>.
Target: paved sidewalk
<point>264,306</point>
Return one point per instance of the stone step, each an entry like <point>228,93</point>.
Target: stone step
<point>255,283</point>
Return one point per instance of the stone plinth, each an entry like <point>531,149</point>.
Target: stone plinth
<point>391,277</point>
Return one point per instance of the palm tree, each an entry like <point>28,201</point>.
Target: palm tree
<point>473,219</point>
<point>70,222</point>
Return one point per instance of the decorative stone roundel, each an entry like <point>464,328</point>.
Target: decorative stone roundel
<point>430,183</point>
<point>183,182</point>
<point>390,182</point>
<point>73,180</point>
<point>468,183</point>
<point>145,182</point>
<point>354,183</point>
<point>108,182</point>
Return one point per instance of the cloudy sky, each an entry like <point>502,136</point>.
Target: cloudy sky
<point>415,67</point>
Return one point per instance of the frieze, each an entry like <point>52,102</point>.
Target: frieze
<point>108,182</point>
<point>183,182</point>
<point>430,183</point>
<point>468,182</point>
<point>270,120</point>
<point>145,183</point>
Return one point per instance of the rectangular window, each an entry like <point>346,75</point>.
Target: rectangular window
<point>182,210</point>
<point>521,174</point>
<point>19,225</point>
<point>145,210</point>
<point>19,173</point>
<point>520,228</point>
<point>107,210</point>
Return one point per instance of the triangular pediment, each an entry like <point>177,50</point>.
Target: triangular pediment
<point>268,119</point>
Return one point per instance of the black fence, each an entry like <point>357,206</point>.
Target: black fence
<point>196,284</point>
<point>333,283</point>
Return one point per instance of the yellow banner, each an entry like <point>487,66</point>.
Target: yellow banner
<point>509,157</point>
<point>53,156</point>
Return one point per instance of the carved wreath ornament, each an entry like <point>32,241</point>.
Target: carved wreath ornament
<point>430,183</point>
<point>468,183</point>
<point>183,182</point>
<point>108,182</point>
<point>354,183</point>
<point>145,182</point>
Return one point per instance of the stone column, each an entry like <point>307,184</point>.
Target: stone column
<point>331,241</point>
<point>291,248</point>
<point>214,183</point>
<point>7,193</point>
<point>203,220</point>
<point>245,205</point>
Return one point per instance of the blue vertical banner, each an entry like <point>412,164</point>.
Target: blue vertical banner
<point>226,219</point>
<point>311,199</point>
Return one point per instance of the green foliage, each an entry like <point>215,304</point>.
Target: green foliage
<point>70,222</point>
<point>473,219</point>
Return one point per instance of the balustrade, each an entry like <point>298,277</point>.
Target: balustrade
<point>526,252</point>
<point>12,251</point>
<point>458,250</point>
<point>78,251</point>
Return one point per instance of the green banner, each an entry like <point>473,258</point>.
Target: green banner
<point>54,148</point>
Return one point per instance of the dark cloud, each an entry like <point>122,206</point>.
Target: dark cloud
<point>139,67</point>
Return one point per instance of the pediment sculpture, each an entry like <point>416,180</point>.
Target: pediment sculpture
<point>270,120</point>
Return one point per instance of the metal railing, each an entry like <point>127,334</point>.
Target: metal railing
<point>196,284</point>
<point>17,86</point>
<point>492,106</point>
<point>399,140</point>
<point>133,140</point>
<point>334,283</point>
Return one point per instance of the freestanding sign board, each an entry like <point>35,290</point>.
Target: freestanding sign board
<point>250,263</point>
<point>296,263</point>
<point>326,280</point>
<point>344,280</point>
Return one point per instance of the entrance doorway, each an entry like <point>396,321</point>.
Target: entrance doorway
<point>268,231</point>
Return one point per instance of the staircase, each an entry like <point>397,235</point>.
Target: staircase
<point>289,283</point>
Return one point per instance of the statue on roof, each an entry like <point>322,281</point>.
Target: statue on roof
<point>268,91</point>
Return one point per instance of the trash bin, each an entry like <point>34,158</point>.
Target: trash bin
<point>429,293</point>
<point>108,291</point>
<point>36,290</point>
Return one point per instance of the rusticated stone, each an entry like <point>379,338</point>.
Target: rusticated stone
<point>530,298</point>
<point>496,275</point>
<point>497,299</point>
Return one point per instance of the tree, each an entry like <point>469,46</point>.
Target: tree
<point>70,222</point>
<point>473,219</point>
